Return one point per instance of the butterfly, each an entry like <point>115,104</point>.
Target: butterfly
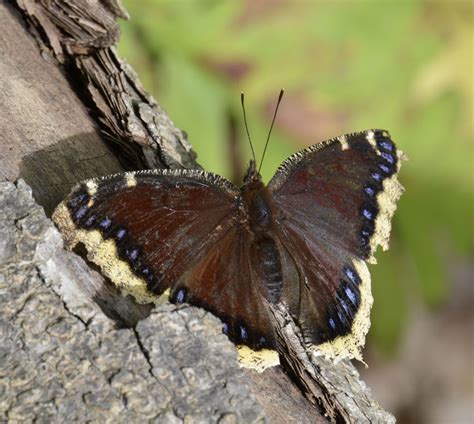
<point>303,240</point>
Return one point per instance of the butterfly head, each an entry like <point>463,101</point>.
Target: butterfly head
<point>252,176</point>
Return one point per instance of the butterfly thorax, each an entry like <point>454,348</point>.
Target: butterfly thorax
<point>257,201</point>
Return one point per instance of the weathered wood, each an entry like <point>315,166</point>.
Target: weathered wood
<point>47,136</point>
<point>335,387</point>
<point>54,142</point>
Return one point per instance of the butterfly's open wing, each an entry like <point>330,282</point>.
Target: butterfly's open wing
<point>178,230</point>
<point>144,229</point>
<point>334,202</point>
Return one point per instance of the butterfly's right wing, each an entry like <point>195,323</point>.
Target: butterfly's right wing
<point>334,203</point>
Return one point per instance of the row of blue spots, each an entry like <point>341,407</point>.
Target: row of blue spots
<point>369,212</point>
<point>388,154</point>
<point>80,209</point>
<point>238,332</point>
<point>78,205</point>
<point>387,165</point>
<point>340,323</point>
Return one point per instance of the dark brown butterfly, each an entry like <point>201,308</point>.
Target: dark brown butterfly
<point>303,239</point>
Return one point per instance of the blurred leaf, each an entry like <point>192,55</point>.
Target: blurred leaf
<point>389,314</point>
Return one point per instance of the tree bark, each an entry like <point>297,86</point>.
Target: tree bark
<point>74,348</point>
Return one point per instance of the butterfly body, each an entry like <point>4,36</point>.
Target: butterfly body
<point>303,240</point>
<point>259,218</point>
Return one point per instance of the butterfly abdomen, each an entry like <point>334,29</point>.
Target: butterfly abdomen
<point>259,209</point>
<point>269,266</point>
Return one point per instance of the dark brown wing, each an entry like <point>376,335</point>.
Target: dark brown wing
<point>176,230</point>
<point>224,282</point>
<point>334,204</point>
<point>145,228</point>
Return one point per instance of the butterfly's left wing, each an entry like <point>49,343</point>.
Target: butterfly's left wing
<point>334,202</point>
<point>179,231</point>
<point>144,229</point>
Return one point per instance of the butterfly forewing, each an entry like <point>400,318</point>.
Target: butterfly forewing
<point>157,222</point>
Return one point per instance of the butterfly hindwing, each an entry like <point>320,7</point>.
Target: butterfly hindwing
<point>224,282</point>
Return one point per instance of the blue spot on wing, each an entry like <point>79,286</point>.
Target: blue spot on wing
<point>225,328</point>
<point>352,275</point>
<point>90,221</point>
<point>244,335</point>
<point>77,200</point>
<point>388,157</point>
<point>370,191</point>
<point>386,144</point>
<point>367,214</point>
<point>351,296</point>
<point>105,223</point>
<point>81,212</point>
<point>132,254</point>
<point>120,234</point>
<point>180,296</point>
<point>384,168</point>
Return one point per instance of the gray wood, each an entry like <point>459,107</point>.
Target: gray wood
<point>70,108</point>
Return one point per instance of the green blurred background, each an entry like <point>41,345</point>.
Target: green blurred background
<point>405,66</point>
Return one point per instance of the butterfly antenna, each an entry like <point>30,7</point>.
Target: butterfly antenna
<point>271,127</point>
<point>246,126</point>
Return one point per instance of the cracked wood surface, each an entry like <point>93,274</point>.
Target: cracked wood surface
<point>59,144</point>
